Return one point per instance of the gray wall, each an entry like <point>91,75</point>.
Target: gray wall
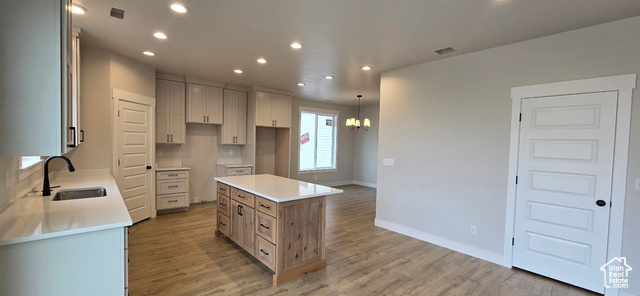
<point>451,165</point>
<point>345,150</point>
<point>365,153</point>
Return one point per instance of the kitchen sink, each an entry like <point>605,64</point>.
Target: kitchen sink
<point>69,194</point>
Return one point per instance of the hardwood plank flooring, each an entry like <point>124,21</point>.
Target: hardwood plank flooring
<point>177,254</point>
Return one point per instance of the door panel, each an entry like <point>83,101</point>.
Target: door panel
<point>282,110</point>
<point>134,154</point>
<point>264,109</point>
<point>565,165</point>
<point>196,103</point>
<point>177,113</point>
<point>214,105</point>
<point>162,111</point>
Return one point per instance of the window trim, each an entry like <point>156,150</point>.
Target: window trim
<point>318,111</point>
<point>28,170</point>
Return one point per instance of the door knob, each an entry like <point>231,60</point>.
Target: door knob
<point>148,167</point>
<point>601,203</point>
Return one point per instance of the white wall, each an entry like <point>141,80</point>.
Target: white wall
<point>345,151</point>
<point>451,164</point>
<point>365,148</point>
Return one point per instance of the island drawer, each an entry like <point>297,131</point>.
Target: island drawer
<point>243,197</point>
<point>266,227</point>
<point>223,189</point>
<point>223,205</point>
<point>223,224</point>
<point>266,206</point>
<point>171,175</point>
<point>266,252</point>
<point>172,201</point>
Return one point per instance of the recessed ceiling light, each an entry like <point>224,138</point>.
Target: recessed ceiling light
<point>300,84</point>
<point>262,61</point>
<point>237,71</point>
<point>77,9</point>
<point>179,8</point>
<point>366,68</point>
<point>148,53</point>
<point>160,35</point>
<point>296,45</point>
<point>328,77</point>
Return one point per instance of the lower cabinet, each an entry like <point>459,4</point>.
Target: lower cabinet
<point>90,263</point>
<point>172,189</point>
<point>287,237</point>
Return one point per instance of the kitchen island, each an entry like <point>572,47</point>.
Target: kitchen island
<point>279,221</point>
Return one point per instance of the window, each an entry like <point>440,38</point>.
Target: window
<point>27,161</point>
<point>317,139</point>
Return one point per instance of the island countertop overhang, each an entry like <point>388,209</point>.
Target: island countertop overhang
<point>276,188</point>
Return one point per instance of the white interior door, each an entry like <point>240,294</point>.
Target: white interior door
<point>565,169</point>
<point>134,152</point>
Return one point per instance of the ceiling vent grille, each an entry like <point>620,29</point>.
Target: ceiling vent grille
<point>117,13</point>
<point>445,51</point>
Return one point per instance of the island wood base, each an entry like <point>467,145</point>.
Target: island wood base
<point>288,237</point>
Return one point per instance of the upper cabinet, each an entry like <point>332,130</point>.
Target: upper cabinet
<point>273,109</point>
<point>170,111</point>
<point>75,134</point>
<point>35,77</point>
<point>204,102</point>
<point>234,127</point>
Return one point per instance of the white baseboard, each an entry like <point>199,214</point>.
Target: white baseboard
<point>366,184</point>
<point>443,242</point>
<point>339,183</point>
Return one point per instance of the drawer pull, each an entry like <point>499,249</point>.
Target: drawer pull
<point>223,224</point>
<point>223,205</point>
<point>222,189</point>
<point>173,175</point>
<point>173,186</point>
<point>265,206</point>
<point>261,250</point>
<point>267,227</point>
<point>240,196</point>
<point>175,200</point>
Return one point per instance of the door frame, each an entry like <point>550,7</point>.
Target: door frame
<point>138,99</point>
<point>624,85</point>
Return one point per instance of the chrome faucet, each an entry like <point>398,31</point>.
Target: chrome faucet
<point>46,188</point>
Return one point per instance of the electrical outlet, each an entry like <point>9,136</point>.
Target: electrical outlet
<point>388,162</point>
<point>473,230</point>
<point>315,177</point>
<point>159,152</point>
<point>230,152</point>
<point>195,199</point>
<point>637,187</point>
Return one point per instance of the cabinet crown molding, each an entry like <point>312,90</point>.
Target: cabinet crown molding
<point>270,90</point>
<point>169,77</point>
<point>204,82</point>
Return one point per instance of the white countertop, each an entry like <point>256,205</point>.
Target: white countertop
<point>37,217</point>
<point>234,165</point>
<point>276,188</point>
<point>172,169</point>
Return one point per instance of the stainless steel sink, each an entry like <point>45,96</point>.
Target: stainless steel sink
<point>69,194</point>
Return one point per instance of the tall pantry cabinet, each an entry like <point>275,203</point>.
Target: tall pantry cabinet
<point>233,130</point>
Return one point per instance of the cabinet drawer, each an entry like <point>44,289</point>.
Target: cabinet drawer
<point>223,189</point>
<point>223,224</point>
<point>173,201</point>
<point>266,252</point>
<point>223,205</point>
<point>266,227</point>
<point>238,171</point>
<point>171,175</point>
<point>266,206</point>
<point>243,197</point>
<point>172,186</point>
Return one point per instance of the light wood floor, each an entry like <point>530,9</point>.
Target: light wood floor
<point>177,254</point>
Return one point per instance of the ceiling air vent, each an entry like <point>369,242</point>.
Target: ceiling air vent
<point>445,51</point>
<point>117,13</point>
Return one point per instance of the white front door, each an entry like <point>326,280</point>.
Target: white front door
<point>134,152</point>
<point>563,195</point>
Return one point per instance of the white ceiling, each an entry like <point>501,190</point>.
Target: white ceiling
<point>339,36</point>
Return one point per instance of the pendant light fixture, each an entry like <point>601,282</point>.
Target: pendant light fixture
<point>354,123</point>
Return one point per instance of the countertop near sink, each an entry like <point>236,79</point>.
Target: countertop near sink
<point>36,217</point>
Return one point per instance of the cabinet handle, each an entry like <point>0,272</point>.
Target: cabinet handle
<point>171,138</point>
<point>173,175</point>
<point>264,206</point>
<point>167,138</point>
<point>175,200</point>
<point>222,189</point>
<point>267,227</point>
<point>239,210</point>
<point>73,135</point>
<point>223,205</point>
<point>204,118</point>
<point>276,123</point>
<point>82,133</point>
<point>207,118</point>
<point>261,250</point>
<point>240,196</point>
<point>223,224</point>
<point>173,186</point>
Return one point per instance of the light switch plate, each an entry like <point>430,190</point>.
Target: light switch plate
<point>388,162</point>
<point>637,187</point>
